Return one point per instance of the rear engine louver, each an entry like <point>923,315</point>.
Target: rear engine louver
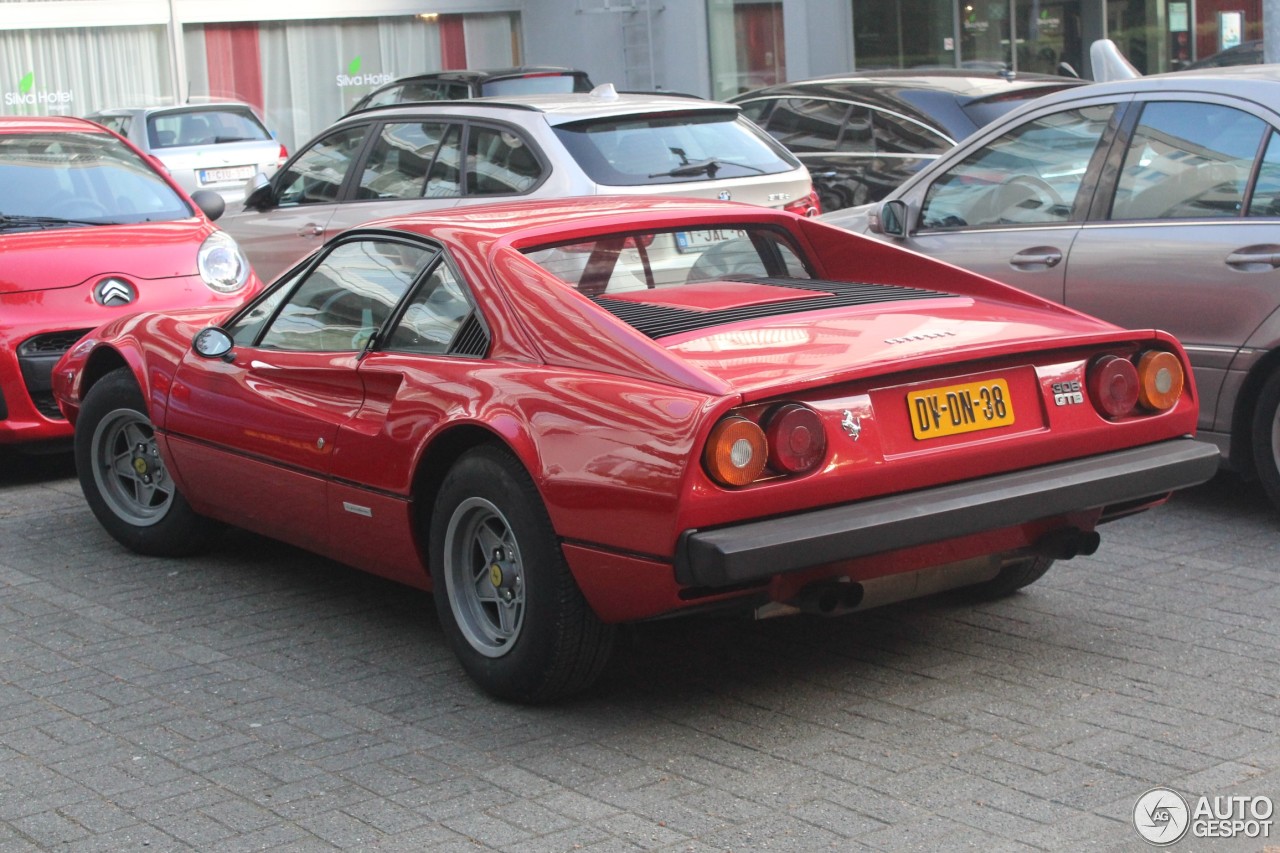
<point>658,321</point>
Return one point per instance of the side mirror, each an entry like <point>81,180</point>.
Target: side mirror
<point>893,218</point>
<point>213,343</point>
<point>260,196</point>
<point>212,203</point>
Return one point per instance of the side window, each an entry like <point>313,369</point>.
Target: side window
<point>433,316</point>
<point>445,178</point>
<point>120,124</point>
<point>317,175</point>
<point>758,111</point>
<point>1031,174</point>
<point>813,125</point>
<point>397,166</point>
<point>898,135</point>
<point>499,162</point>
<point>1266,193</point>
<point>342,302</point>
<point>1187,160</point>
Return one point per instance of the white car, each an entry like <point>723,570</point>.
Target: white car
<point>393,160</point>
<point>209,146</point>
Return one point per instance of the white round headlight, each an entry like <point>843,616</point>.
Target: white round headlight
<point>223,266</point>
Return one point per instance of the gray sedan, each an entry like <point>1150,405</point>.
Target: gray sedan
<point>208,146</point>
<point>1150,202</point>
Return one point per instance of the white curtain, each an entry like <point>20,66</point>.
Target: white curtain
<point>69,71</point>
<point>313,73</point>
<point>491,40</point>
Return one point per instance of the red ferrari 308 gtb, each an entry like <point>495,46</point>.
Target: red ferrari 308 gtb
<point>561,416</point>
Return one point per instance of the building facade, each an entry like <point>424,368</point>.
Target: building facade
<point>303,64</point>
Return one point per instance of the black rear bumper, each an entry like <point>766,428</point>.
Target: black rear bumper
<point>754,550</point>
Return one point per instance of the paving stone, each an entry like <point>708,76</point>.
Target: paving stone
<point>256,697</point>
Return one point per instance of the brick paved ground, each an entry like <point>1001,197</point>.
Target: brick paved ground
<point>260,698</point>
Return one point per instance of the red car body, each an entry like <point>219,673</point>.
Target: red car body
<point>49,273</point>
<point>345,453</point>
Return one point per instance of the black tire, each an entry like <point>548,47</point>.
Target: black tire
<point>123,477</point>
<point>1265,438</point>
<point>1013,577</point>
<point>508,603</point>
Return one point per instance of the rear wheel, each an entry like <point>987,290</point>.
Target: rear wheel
<point>1265,437</point>
<point>124,478</point>
<point>1014,577</point>
<point>513,613</point>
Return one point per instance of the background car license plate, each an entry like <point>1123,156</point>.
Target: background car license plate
<point>955,409</point>
<point>222,176</point>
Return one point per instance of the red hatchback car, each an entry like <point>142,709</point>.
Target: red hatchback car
<point>564,415</point>
<point>91,229</point>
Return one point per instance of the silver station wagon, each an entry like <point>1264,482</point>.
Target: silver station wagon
<point>1150,202</point>
<point>393,160</point>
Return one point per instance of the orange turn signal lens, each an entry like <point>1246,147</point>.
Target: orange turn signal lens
<point>1160,380</point>
<point>736,452</point>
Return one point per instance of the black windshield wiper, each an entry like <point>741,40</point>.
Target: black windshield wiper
<point>707,167</point>
<point>9,221</point>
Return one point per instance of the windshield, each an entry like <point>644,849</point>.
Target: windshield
<point>669,149</point>
<point>618,263</point>
<point>82,178</point>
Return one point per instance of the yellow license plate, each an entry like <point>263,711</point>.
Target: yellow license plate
<point>956,409</point>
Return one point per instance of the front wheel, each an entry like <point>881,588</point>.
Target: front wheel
<point>124,478</point>
<point>1265,438</point>
<point>511,609</point>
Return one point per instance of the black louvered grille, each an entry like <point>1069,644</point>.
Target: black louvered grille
<point>36,358</point>
<point>53,342</point>
<point>472,339</point>
<point>658,321</point>
<point>47,405</point>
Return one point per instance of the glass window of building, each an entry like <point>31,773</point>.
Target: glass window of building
<point>746,45</point>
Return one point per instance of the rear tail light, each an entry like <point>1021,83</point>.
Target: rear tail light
<point>789,440</point>
<point>1118,387</point>
<point>796,440</point>
<point>810,205</point>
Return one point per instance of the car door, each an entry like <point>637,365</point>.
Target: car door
<point>292,217</point>
<point>1011,206</point>
<point>1180,240</point>
<point>257,430</point>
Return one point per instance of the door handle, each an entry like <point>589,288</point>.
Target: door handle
<point>1255,258</point>
<point>311,229</point>
<point>1039,256</point>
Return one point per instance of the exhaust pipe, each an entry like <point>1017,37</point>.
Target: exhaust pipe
<point>829,598</point>
<point>1067,543</point>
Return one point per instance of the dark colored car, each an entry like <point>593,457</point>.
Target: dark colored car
<point>1150,202</point>
<point>477,83</point>
<point>1245,53</point>
<point>863,134</point>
